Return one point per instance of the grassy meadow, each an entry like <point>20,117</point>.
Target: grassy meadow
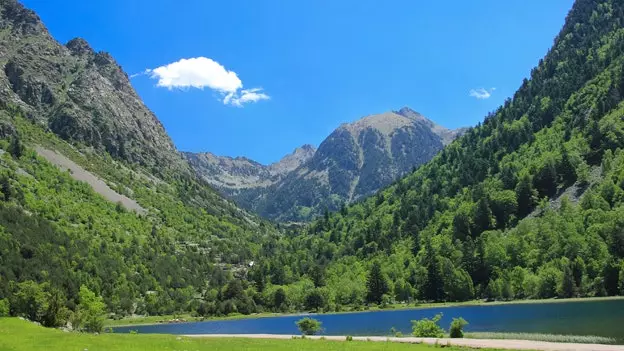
<point>20,335</point>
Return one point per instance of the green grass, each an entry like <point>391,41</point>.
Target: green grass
<point>581,339</point>
<point>18,335</point>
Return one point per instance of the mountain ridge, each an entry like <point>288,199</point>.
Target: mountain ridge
<point>81,95</point>
<point>355,160</point>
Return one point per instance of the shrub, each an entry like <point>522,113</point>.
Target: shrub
<point>90,313</point>
<point>428,328</point>
<point>4,307</point>
<point>457,327</point>
<point>349,338</point>
<point>309,326</point>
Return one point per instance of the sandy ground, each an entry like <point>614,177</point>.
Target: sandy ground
<point>474,343</point>
<point>81,174</point>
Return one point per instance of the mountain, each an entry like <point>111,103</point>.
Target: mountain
<point>233,174</point>
<point>353,162</point>
<point>94,195</point>
<point>528,204</point>
<point>81,95</point>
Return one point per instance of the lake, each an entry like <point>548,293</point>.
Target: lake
<point>592,317</point>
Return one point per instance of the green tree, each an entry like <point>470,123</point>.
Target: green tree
<point>461,225</point>
<point>567,286</point>
<point>482,218</point>
<point>504,205</point>
<point>6,187</point>
<point>548,281</point>
<point>234,290</point>
<point>314,300</point>
<point>279,299</point>
<point>565,168</point>
<point>309,326</point>
<point>582,173</point>
<point>402,290</point>
<point>434,284</point>
<point>4,307</point>
<point>545,180</point>
<point>90,312</point>
<point>376,283</point>
<point>30,300</point>
<point>621,279</point>
<point>56,314</point>
<point>16,148</point>
<point>428,328</point>
<point>317,274</point>
<point>525,195</point>
<point>457,327</point>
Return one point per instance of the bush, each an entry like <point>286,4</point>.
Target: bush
<point>457,327</point>
<point>90,313</point>
<point>428,328</point>
<point>4,307</point>
<point>309,326</point>
<point>349,338</point>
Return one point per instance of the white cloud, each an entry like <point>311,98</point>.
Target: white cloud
<point>202,72</point>
<point>481,93</point>
<point>251,95</point>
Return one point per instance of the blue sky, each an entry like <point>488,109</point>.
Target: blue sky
<point>310,65</point>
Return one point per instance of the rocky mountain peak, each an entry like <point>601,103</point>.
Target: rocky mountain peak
<point>22,20</point>
<point>408,112</point>
<point>79,47</point>
<point>80,95</point>
<point>354,161</point>
<point>293,160</point>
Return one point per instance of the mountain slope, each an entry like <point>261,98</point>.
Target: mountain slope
<point>529,204</point>
<point>354,161</point>
<point>74,138</point>
<point>232,174</point>
<point>81,95</point>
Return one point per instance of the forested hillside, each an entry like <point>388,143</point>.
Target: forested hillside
<point>59,237</point>
<point>529,204</point>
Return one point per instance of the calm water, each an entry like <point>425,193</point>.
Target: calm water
<point>602,318</point>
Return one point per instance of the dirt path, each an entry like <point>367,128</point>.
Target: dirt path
<point>474,343</point>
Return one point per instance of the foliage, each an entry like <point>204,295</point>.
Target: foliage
<point>457,327</point>
<point>90,312</point>
<point>527,204</point>
<point>428,328</point>
<point>30,300</point>
<point>377,284</point>
<point>309,326</point>
<point>4,307</point>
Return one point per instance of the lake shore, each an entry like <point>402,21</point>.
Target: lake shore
<point>154,320</point>
<point>501,344</point>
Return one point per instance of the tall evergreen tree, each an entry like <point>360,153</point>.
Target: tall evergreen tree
<point>434,285</point>
<point>376,283</point>
<point>565,168</point>
<point>482,216</point>
<point>525,195</point>
<point>567,287</point>
<point>16,148</point>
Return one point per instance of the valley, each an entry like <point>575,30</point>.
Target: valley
<point>103,220</point>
